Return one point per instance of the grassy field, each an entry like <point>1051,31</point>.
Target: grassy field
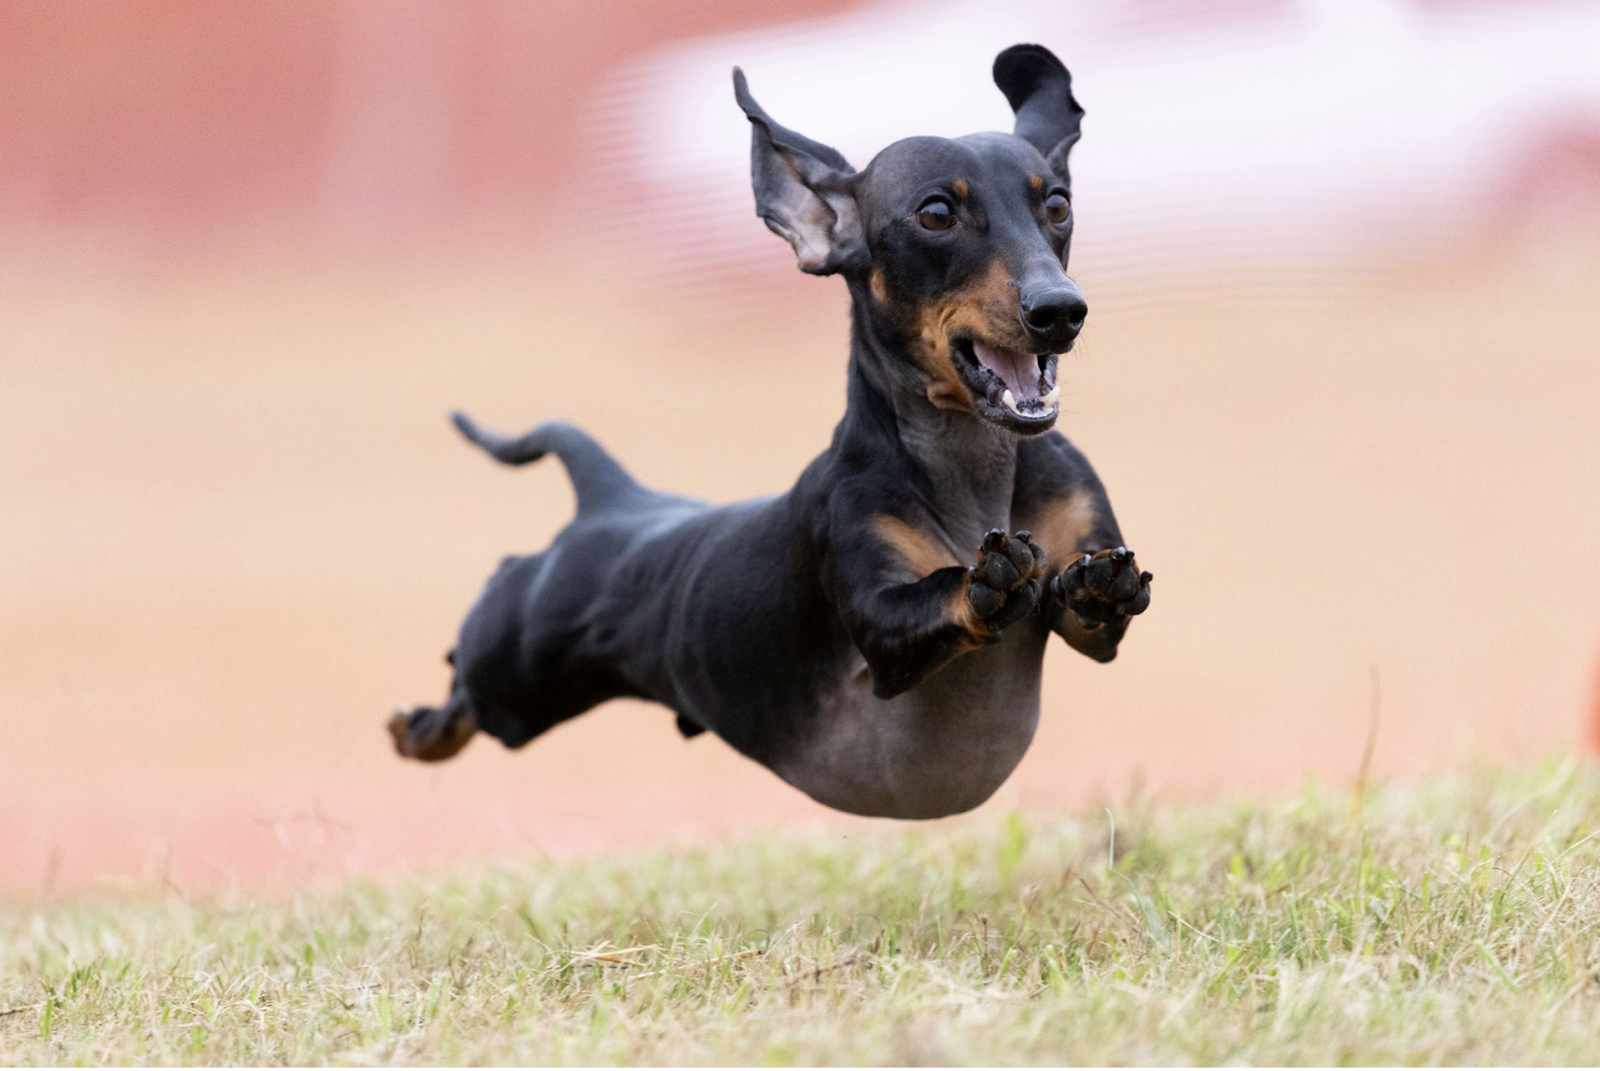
<point>1452,921</point>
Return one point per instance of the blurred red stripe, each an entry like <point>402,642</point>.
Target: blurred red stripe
<point>187,118</point>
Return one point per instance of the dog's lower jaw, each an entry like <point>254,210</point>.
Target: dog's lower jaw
<point>1005,391</point>
<point>942,394</point>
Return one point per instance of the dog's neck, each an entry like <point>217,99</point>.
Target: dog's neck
<point>968,468</point>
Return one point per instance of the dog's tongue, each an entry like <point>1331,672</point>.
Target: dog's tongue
<point>1019,371</point>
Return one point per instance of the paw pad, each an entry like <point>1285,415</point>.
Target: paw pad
<point>1103,587</point>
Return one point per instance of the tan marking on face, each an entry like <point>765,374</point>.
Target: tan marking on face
<point>1036,181</point>
<point>921,552</point>
<point>1061,528</point>
<point>985,310</point>
<point>949,394</point>
<point>880,289</point>
<point>961,187</point>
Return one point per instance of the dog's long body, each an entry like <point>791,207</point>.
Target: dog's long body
<point>841,634</point>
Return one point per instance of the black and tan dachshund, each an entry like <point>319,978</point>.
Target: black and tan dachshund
<point>875,635</point>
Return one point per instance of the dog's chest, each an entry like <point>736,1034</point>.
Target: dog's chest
<point>938,749</point>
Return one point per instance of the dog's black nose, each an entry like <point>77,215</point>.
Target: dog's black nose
<point>1057,312</point>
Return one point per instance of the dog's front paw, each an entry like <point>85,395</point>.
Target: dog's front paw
<point>1004,586</point>
<point>1101,588</point>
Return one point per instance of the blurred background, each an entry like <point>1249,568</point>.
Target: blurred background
<point>1343,266</point>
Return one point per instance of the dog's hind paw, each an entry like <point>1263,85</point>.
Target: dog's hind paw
<point>1103,587</point>
<point>1004,587</point>
<point>431,734</point>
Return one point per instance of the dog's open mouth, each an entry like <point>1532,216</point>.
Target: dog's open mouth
<point>1014,389</point>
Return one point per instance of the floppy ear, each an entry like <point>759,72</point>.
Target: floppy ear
<point>1039,89</point>
<point>802,191</point>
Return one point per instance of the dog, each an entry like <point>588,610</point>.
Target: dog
<point>876,635</point>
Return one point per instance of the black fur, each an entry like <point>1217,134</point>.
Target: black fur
<point>874,635</point>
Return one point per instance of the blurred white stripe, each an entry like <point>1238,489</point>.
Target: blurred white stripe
<point>1278,143</point>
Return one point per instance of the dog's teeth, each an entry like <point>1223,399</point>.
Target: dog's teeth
<point>1010,401</point>
<point>1050,399</point>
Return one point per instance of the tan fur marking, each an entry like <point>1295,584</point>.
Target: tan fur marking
<point>924,554</point>
<point>1061,528</point>
<point>986,310</point>
<point>880,289</point>
<point>959,612</point>
<point>961,187</point>
<point>1036,181</point>
<point>948,394</point>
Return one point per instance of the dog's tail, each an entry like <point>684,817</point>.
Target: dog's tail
<point>596,477</point>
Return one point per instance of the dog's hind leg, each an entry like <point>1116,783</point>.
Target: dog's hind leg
<point>432,734</point>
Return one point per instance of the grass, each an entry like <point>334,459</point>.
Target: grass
<point>1454,922</point>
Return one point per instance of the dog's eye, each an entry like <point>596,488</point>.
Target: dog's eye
<point>936,214</point>
<point>1057,207</point>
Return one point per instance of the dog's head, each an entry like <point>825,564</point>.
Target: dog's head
<point>959,245</point>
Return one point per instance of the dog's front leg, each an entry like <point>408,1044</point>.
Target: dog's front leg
<point>906,628</point>
<point>1096,586</point>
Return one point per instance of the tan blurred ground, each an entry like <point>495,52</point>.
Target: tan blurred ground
<point>237,531</point>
